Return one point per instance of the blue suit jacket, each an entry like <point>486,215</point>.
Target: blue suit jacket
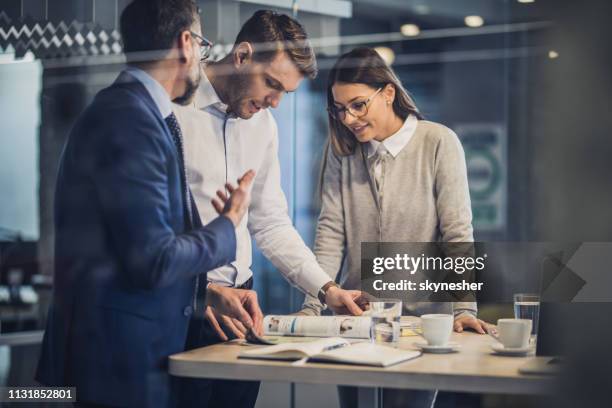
<point>125,266</point>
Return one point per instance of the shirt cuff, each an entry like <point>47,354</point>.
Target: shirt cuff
<point>312,278</point>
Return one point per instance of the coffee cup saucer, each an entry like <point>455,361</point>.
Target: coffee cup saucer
<point>450,347</point>
<point>500,349</point>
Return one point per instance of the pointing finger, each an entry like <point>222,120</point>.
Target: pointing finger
<point>246,179</point>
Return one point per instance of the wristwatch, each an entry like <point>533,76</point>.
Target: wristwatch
<point>323,291</point>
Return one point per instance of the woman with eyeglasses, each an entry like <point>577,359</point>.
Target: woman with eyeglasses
<point>388,176</point>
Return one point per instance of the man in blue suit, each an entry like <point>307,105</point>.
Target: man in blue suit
<point>130,249</point>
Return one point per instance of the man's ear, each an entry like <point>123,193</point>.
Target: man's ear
<point>243,54</point>
<point>185,47</point>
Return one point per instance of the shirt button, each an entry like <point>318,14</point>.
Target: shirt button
<point>187,311</point>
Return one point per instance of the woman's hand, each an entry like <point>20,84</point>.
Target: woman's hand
<point>471,322</point>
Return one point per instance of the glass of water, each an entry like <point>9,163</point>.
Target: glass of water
<point>386,314</point>
<point>527,306</point>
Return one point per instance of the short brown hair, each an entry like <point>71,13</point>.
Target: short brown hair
<point>270,32</point>
<point>363,66</point>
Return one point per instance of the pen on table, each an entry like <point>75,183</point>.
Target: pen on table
<point>304,360</point>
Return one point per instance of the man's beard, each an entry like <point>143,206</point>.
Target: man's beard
<point>191,86</point>
<point>238,88</point>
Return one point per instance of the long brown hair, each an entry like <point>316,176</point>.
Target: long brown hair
<point>363,66</point>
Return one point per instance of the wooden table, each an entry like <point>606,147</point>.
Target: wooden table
<point>473,369</point>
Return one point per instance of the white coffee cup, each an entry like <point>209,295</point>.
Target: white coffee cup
<point>514,333</point>
<point>437,328</point>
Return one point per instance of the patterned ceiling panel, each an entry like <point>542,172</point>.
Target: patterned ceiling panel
<point>47,40</point>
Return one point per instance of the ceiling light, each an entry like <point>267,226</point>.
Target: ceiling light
<point>410,30</point>
<point>526,1</point>
<point>552,54</point>
<point>474,21</point>
<point>386,54</point>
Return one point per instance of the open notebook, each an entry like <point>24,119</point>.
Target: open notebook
<point>334,350</point>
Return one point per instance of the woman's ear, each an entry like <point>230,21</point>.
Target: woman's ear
<point>243,54</point>
<point>389,94</point>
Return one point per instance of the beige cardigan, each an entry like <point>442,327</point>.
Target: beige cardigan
<point>426,199</point>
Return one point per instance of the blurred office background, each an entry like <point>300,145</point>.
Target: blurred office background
<point>526,85</point>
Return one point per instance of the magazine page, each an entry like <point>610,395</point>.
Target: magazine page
<point>295,350</point>
<point>367,354</point>
<point>318,326</point>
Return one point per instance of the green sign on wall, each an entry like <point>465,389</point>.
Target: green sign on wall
<point>486,160</point>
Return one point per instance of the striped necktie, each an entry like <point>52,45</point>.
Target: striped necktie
<point>177,137</point>
<point>192,217</point>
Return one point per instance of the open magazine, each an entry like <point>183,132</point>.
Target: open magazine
<point>336,350</point>
<point>318,326</point>
<point>326,326</point>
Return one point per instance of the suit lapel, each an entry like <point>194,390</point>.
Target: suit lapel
<point>130,82</point>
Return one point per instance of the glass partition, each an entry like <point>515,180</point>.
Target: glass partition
<point>522,83</point>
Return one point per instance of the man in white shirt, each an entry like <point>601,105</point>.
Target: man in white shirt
<point>231,130</point>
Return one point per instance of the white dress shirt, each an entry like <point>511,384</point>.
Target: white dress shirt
<point>157,92</point>
<point>220,148</point>
<point>397,141</point>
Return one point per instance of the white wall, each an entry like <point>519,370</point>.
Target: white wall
<point>20,84</point>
